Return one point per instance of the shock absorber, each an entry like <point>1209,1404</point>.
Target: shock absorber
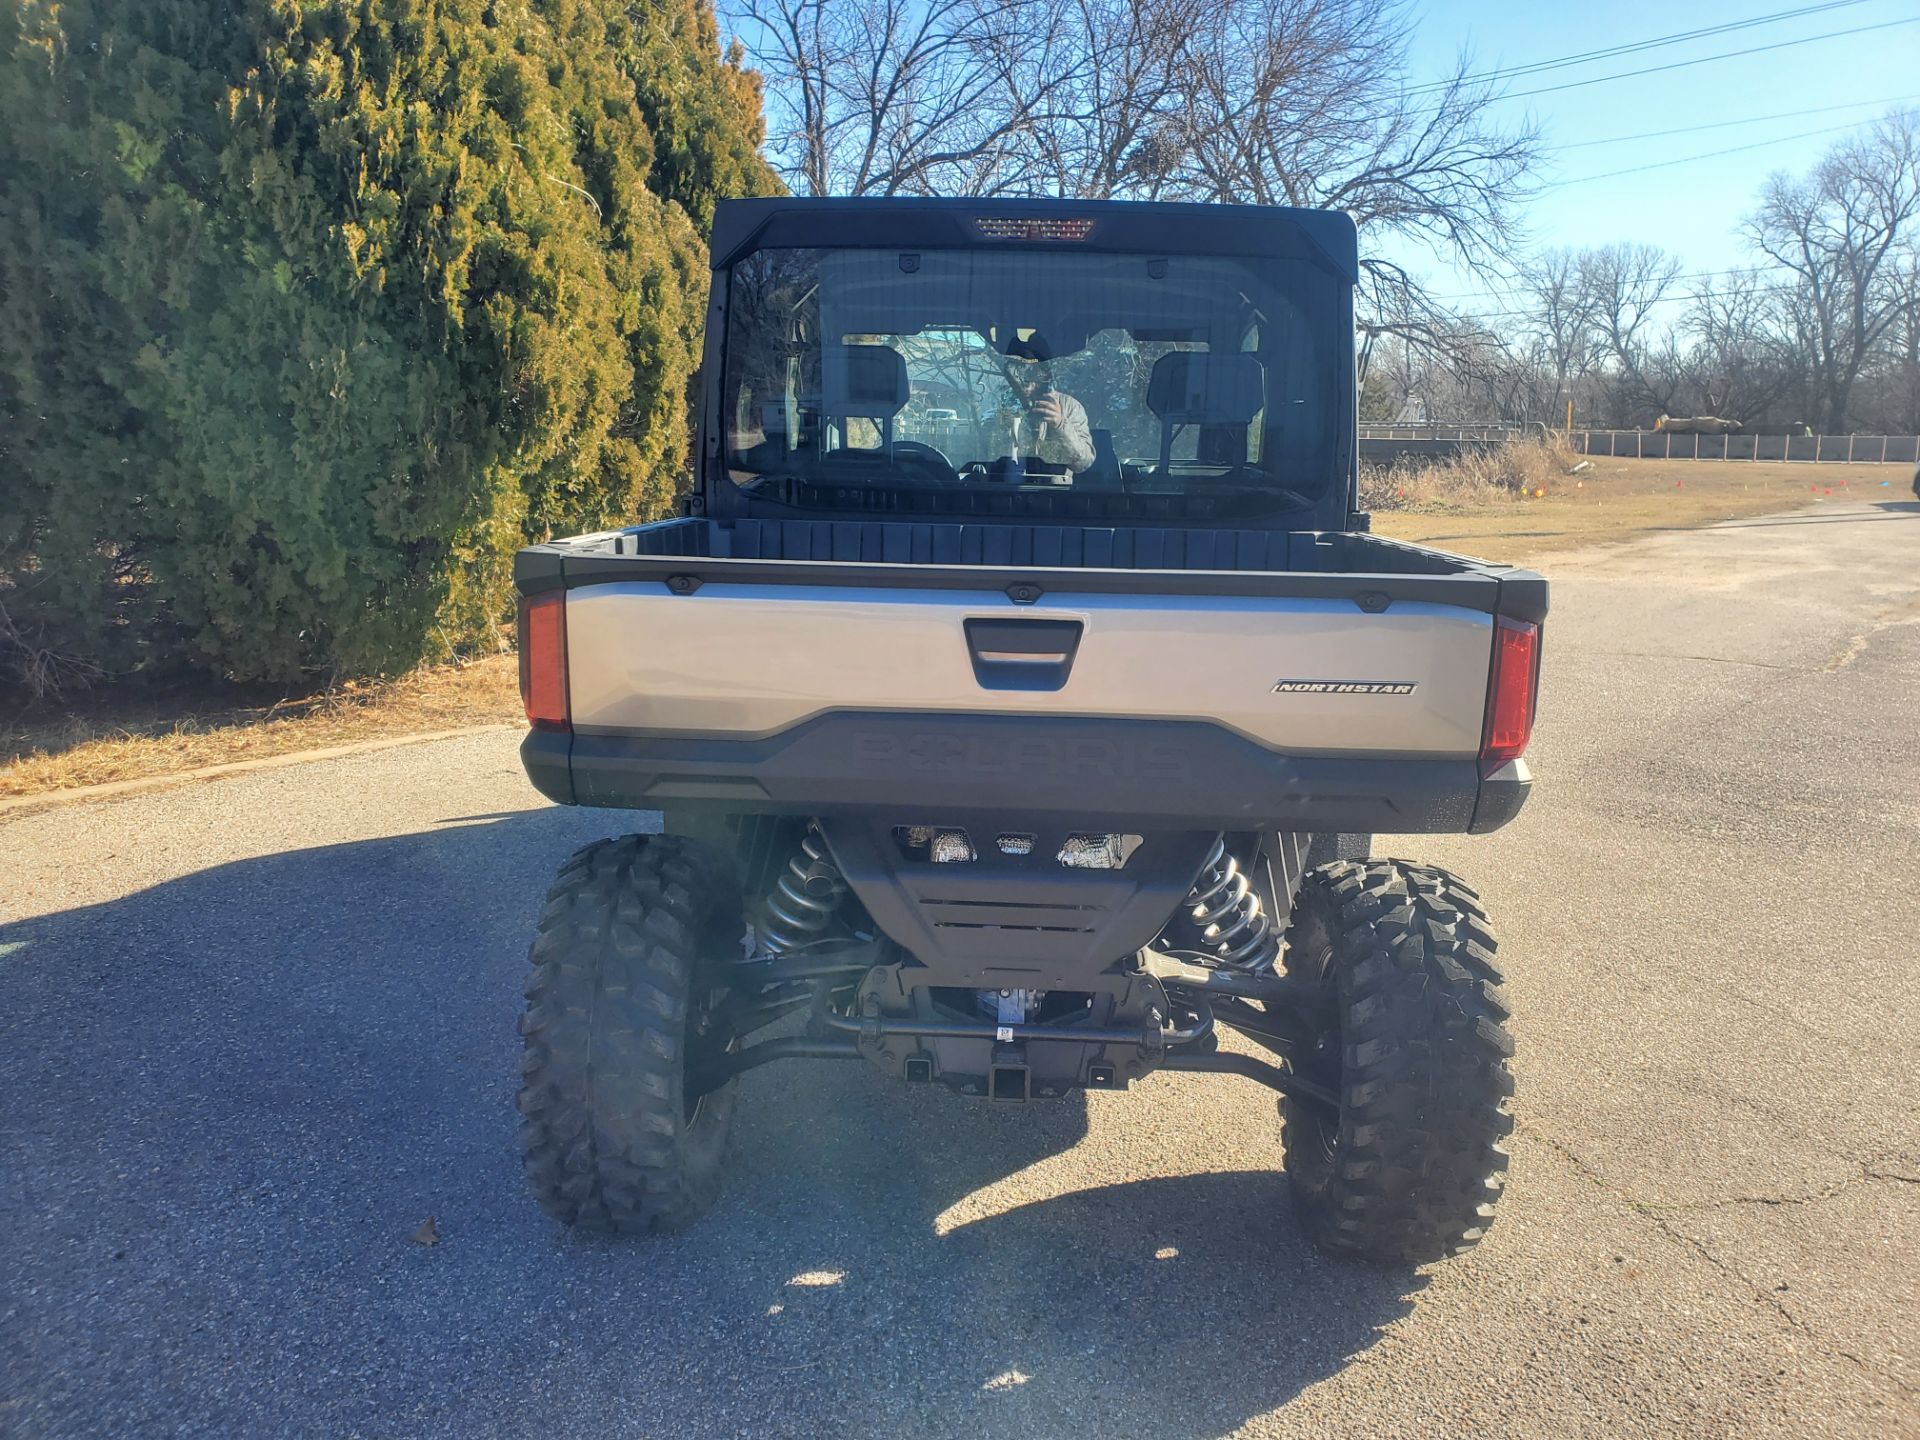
<point>803,901</point>
<point>1233,926</point>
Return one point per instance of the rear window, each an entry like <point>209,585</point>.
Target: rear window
<point>931,380</point>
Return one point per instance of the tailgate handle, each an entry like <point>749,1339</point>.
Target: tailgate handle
<point>1022,654</point>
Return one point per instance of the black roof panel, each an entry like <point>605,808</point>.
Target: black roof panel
<point>1325,237</point>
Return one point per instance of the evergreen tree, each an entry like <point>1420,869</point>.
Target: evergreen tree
<point>311,311</point>
<point>702,109</point>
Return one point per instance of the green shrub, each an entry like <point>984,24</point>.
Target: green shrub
<point>312,311</point>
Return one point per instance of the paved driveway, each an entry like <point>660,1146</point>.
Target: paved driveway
<point>252,1033</point>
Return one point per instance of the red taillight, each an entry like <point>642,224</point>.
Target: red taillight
<point>543,660</point>
<point>1511,691</point>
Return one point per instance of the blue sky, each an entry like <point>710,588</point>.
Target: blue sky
<point>1690,209</point>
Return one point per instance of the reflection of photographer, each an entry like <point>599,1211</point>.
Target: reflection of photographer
<point>1049,425</point>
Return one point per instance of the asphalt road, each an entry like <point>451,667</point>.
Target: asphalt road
<point>253,1033</point>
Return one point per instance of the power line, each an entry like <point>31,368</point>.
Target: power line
<point>1681,130</point>
<point>1704,59</point>
<point>1587,57</point>
<point>1662,164</point>
<point>1707,155</point>
<point>1724,124</point>
<point>1688,160</point>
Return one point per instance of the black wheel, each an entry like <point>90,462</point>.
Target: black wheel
<point>625,978</point>
<point>1396,963</point>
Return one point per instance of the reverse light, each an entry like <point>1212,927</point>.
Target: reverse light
<point>1511,692</point>
<point>543,660</point>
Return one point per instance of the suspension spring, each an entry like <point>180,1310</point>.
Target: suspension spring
<point>802,904</point>
<point>1234,927</point>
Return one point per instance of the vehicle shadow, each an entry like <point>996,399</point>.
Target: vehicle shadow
<point>234,1098</point>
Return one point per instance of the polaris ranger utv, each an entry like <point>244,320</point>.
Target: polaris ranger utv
<point>1021,692</point>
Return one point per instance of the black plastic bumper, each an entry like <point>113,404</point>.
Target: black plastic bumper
<point>1181,775</point>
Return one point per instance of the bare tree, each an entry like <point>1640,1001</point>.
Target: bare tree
<point>1464,373</point>
<point>1842,233</point>
<point>1625,286</point>
<point>1300,102</point>
<point>1114,125</point>
<point>1562,324</point>
<point>1739,361</point>
<point>1891,399</point>
<point>884,97</point>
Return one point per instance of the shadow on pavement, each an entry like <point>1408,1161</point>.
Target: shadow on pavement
<point>233,1097</point>
<point>1890,510</point>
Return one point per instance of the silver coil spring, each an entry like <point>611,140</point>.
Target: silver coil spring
<point>1234,928</point>
<point>804,899</point>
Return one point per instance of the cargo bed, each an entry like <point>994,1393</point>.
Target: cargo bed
<point>1337,558</point>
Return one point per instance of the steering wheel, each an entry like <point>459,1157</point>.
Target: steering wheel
<point>926,457</point>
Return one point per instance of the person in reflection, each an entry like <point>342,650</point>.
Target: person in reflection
<point>1049,425</point>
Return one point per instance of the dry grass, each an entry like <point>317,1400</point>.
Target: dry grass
<point>128,741</point>
<point>1471,479</point>
<point>1488,506</point>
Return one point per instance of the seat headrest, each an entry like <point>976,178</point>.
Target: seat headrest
<point>1199,387</point>
<point>869,381</point>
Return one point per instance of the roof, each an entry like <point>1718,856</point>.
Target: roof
<point>1325,237</point>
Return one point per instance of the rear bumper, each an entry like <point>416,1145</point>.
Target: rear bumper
<point>919,769</point>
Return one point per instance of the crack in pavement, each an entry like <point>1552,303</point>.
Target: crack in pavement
<point>1779,1307</point>
<point>1856,645</point>
<point>1771,1299</point>
<point>1704,659</point>
<point>1654,1214</point>
<point>1852,649</point>
<point>1864,1174</point>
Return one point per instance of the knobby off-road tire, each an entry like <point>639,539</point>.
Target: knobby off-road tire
<point>624,965</point>
<point>1399,962</point>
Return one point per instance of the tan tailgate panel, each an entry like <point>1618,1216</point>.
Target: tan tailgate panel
<point>745,661</point>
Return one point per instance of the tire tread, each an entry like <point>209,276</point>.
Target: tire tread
<point>1425,1081</point>
<point>622,941</point>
